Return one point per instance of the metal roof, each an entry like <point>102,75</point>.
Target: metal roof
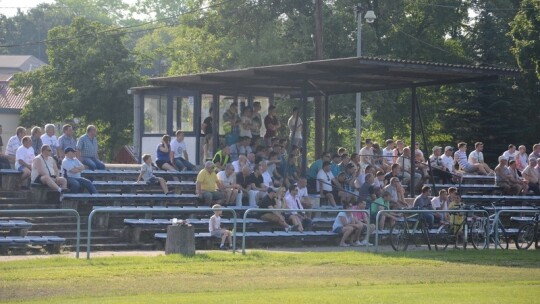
<point>332,76</point>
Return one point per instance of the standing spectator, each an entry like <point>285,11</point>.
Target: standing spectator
<point>476,157</point>
<point>326,180</point>
<point>227,184</point>
<point>49,138</point>
<point>531,175</point>
<point>36,140</point>
<point>71,169</point>
<point>222,157</point>
<point>269,202</point>
<point>163,154</point>
<point>398,150</point>
<point>207,130</point>
<point>87,149</point>
<point>206,185</point>
<point>241,147</point>
<point>423,202</point>
<point>256,123</point>
<point>45,171</point>
<point>214,227</point>
<point>295,128</point>
<point>460,156</point>
<point>14,143</point>
<point>231,124</point>
<point>66,140</point>
<point>271,123</point>
<point>245,123</point>
<point>522,158</point>
<point>23,160</point>
<point>179,155</point>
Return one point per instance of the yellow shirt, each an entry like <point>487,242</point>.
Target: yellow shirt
<point>207,180</point>
<point>456,218</point>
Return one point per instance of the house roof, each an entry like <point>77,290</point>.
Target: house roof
<point>10,100</point>
<point>332,76</point>
<point>23,63</point>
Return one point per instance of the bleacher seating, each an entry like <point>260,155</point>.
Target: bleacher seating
<point>133,187</point>
<point>124,175</point>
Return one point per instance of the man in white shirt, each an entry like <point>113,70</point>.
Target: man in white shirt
<point>366,154</point>
<point>23,160</point>
<point>326,180</point>
<point>267,177</point>
<point>448,162</point>
<point>511,153</point>
<point>477,157</point>
<point>440,203</point>
<point>72,168</point>
<point>297,217</point>
<point>14,143</point>
<point>303,195</point>
<point>295,134</point>
<point>226,182</point>
<point>179,155</point>
<point>49,138</point>
<point>388,152</point>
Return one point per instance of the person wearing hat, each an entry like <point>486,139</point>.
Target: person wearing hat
<point>207,185</point>
<point>437,167</point>
<point>531,175</point>
<point>503,179</point>
<point>214,227</point>
<point>71,169</point>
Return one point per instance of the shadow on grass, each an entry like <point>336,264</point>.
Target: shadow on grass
<point>504,258</point>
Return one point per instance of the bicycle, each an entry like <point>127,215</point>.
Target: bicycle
<point>529,233</point>
<point>459,233</point>
<point>484,227</point>
<point>401,233</point>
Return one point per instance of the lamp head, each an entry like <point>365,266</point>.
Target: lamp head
<point>370,16</point>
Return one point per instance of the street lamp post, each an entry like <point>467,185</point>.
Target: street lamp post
<point>370,18</point>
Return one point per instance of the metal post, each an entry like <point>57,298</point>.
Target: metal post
<point>326,121</point>
<point>358,95</point>
<point>304,127</point>
<point>413,138</point>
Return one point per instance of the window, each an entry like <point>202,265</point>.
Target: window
<point>183,113</point>
<point>155,114</point>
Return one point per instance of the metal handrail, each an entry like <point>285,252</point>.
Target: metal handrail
<point>296,210</point>
<point>73,211</point>
<point>149,209</point>
<point>419,211</point>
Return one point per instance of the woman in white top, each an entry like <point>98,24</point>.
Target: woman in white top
<point>521,158</point>
<point>346,224</point>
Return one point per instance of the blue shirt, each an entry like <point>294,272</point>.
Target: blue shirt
<point>68,164</point>
<point>88,146</point>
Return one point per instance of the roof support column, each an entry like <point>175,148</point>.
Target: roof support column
<point>215,125</point>
<point>326,122</point>
<point>304,127</point>
<point>413,139</point>
<point>426,147</point>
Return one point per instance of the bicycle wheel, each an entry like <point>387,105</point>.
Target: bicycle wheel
<point>443,237</point>
<point>399,237</point>
<point>478,234</point>
<point>425,232</point>
<point>503,241</point>
<point>525,236</point>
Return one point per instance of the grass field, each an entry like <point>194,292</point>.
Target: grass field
<point>269,277</point>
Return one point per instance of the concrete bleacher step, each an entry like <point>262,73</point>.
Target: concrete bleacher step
<point>109,247</point>
<point>25,205</point>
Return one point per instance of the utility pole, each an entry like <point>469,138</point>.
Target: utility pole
<point>319,108</point>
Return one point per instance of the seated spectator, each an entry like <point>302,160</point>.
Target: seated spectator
<point>326,182</point>
<point>226,181</point>
<point>334,164</point>
<point>503,178</point>
<point>147,174</point>
<point>239,163</point>
<point>367,191</point>
<point>378,183</point>
<point>273,164</point>
<point>379,162</point>
<point>14,143</point>
<point>345,161</point>
<point>380,204</point>
<point>23,160</point>
<point>45,171</point>
<point>257,188</point>
<point>355,159</point>
<point>388,154</point>
<point>440,203</point>
<point>267,177</point>
<point>87,149</point>
<point>207,185</point>
<point>423,202</point>
<point>49,138</point>
<point>269,202</point>
<point>421,166</point>
<point>522,158</point>
<point>438,168</point>
<point>241,147</point>
<point>178,155</point>
<point>405,162</point>
<point>366,154</point>
<point>346,224</point>
<point>242,179</point>
<point>66,140</point>
<point>516,178</point>
<point>72,168</point>
<point>214,227</point>
<point>361,177</point>
<point>398,150</point>
<point>339,189</point>
<point>448,162</point>
<point>511,153</point>
<point>163,154</point>
<point>341,151</point>
<point>395,171</point>
<point>36,140</point>
<point>477,157</point>
<point>303,195</point>
<point>531,175</point>
<point>397,199</point>
<point>291,173</point>
<point>536,151</point>
<point>314,169</point>
<point>296,216</point>
<point>460,157</point>
<point>362,219</point>
<point>222,158</point>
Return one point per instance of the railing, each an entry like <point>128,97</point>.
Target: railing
<point>498,215</point>
<point>297,211</point>
<point>414,211</point>
<point>55,211</point>
<point>156,210</point>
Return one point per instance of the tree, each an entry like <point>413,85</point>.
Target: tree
<point>525,30</point>
<point>87,78</point>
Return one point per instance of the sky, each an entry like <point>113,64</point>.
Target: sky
<point>9,7</point>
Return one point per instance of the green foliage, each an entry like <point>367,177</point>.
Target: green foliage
<point>87,78</point>
<point>525,29</point>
